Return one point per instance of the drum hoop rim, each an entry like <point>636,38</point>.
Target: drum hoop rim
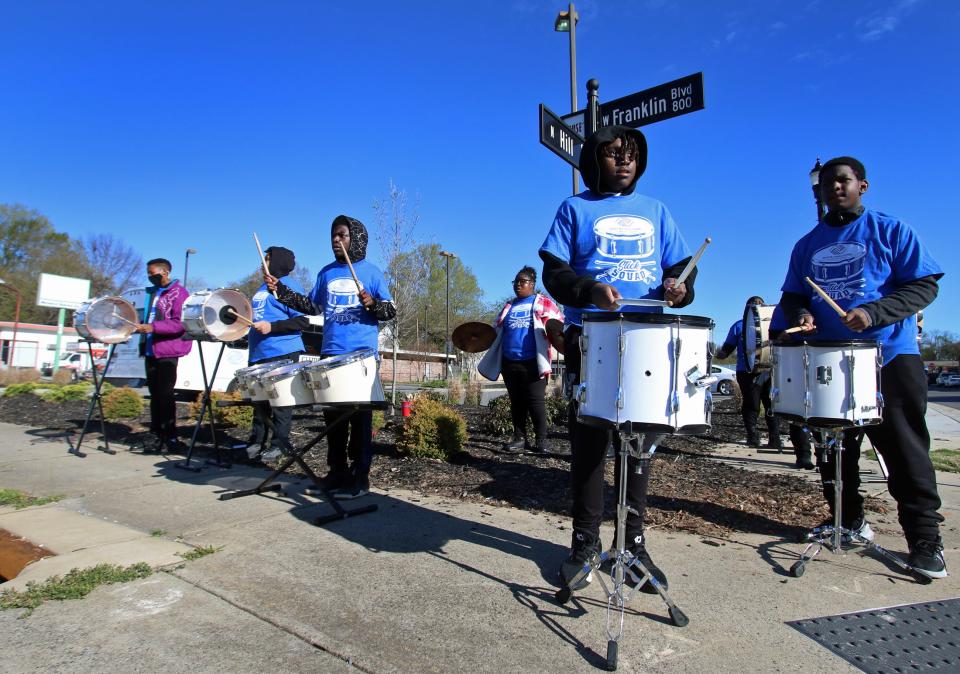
<point>341,359</point>
<point>294,370</point>
<point>650,317</point>
<point>835,342</point>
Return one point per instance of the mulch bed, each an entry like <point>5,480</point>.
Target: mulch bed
<point>688,490</point>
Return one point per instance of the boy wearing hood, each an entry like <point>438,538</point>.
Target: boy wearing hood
<point>275,335</point>
<point>606,243</point>
<point>350,323</point>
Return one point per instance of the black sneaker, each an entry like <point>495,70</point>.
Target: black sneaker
<point>360,487</point>
<point>805,462</point>
<point>153,446</point>
<point>639,550</point>
<point>926,557</point>
<point>335,479</point>
<point>583,549</point>
<point>174,445</point>
<point>515,445</point>
<point>538,448</point>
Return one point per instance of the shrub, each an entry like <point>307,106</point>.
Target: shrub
<point>455,392</point>
<point>473,394</point>
<point>237,417</point>
<point>379,419</point>
<point>63,394</point>
<point>432,430</point>
<point>18,375</point>
<point>63,376</point>
<point>122,403</point>
<point>499,421</point>
<point>19,389</point>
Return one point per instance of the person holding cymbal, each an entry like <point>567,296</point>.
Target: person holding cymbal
<point>522,353</point>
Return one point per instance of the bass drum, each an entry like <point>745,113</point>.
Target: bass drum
<point>756,336</point>
<point>109,320</point>
<point>210,315</point>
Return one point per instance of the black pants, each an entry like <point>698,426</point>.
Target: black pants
<point>754,393</point>
<point>588,447</point>
<point>904,443</point>
<point>354,439</point>
<point>272,424</point>
<point>161,378</point>
<point>526,389</point>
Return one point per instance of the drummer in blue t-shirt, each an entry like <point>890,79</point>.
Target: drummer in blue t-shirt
<point>275,335</point>
<point>876,269</point>
<point>350,323</point>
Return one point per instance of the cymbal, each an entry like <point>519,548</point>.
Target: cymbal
<point>473,337</point>
<point>555,334</point>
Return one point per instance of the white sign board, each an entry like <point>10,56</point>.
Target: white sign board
<point>62,292</point>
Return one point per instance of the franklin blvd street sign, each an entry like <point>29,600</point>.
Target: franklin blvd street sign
<point>559,138</point>
<point>648,106</point>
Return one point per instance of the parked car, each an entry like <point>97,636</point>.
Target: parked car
<point>74,362</point>
<point>943,376</point>
<point>952,380</point>
<point>726,378</point>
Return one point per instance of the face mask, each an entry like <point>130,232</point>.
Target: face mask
<point>155,279</point>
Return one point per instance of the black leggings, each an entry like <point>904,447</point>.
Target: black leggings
<point>161,378</point>
<point>904,443</point>
<point>526,389</point>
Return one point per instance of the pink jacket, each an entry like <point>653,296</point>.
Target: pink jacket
<point>543,310</point>
<point>167,326</point>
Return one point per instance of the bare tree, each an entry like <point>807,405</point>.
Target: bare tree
<point>114,265</point>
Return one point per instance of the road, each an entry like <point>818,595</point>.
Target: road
<point>944,396</point>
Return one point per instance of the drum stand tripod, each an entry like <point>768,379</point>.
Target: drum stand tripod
<point>206,403</point>
<point>832,536</point>
<point>625,564</point>
<point>96,401</point>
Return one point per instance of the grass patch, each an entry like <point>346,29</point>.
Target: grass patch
<point>946,460</point>
<point>75,585</point>
<point>158,533</point>
<point>19,499</point>
<point>197,553</point>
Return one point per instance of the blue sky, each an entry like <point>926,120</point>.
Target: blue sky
<point>192,124</point>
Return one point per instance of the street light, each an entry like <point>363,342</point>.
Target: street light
<point>186,264</point>
<point>815,184</point>
<point>446,344</point>
<point>566,22</point>
<point>16,320</point>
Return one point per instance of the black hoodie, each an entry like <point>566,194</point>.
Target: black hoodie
<point>559,278</point>
<point>282,261</point>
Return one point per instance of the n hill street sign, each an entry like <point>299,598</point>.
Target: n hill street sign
<point>558,137</point>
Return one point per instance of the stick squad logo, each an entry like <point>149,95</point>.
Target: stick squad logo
<point>342,301</point>
<point>520,316</point>
<point>259,304</point>
<point>624,243</point>
<point>838,269</point>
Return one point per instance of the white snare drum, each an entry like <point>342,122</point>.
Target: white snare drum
<point>285,387</point>
<point>109,320</point>
<point>756,336</point>
<point>347,378</point>
<point>207,315</point>
<point>827,384</point>
<point>646,372</point>
<point>248,377</point>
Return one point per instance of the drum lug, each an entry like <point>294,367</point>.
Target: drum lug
<point>807,402</point>
<point>581,394</point>
<point>622,345</point>
<point>676,348</point>
<point>879,399</point>
<point>583,343</point>
<point>675,402</point>
<point>824,374</point>
<point>620,398</point>
<point>775,395</point>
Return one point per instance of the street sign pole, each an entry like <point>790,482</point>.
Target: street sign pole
<point>558,137</point>
<point>592,118</point>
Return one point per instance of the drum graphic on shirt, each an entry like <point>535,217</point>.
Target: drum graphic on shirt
<point>626,240</point>
<point>838,268</point>
<point>519,317</point>
<point>342,297</point>
<point>259,303</point>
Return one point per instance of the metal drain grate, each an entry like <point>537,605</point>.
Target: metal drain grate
<point>910,638</point>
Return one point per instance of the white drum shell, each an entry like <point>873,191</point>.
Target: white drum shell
<point>284,387</point>
<point>108,320</point>
<point>201,315</point>
<point>653,390</point>
<point>350,378</point>
<point>827,385</point>
<point>248,377</point>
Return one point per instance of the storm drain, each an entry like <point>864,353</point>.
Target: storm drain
<point>911,638</point>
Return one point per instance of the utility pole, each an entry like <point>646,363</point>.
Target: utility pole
<point>446,343</point>
<point>566,22</point>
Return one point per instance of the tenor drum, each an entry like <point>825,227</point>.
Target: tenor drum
<point>646,372</point>
<point>827,384</point>
<point>285,387</point>
<point>209,315</point>
<point>109,320</point>
<point>345,379</point>
<point>248,377</point>
<point>756,336</point>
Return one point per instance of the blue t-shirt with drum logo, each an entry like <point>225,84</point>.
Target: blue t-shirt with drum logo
<point>266,307</point>
<point>735,337</point>
<point>624,241</point>
<point>518,338</point>
<point>347,326</point>
<point>859,263</point>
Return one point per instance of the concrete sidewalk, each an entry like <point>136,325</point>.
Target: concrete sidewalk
<point>424,584</point>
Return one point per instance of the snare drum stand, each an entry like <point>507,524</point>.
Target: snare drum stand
<point>206,403</point>
<point>830,441</point>
<point>95,401</point>
<point>625,565</point>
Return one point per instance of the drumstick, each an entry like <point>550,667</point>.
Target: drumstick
<point>693,262</point>
<point>126,320</point>
<point>242,319</point>
<point>350,264</point>
<point>788,331</point>
<point>263,260</point>
<point>826,297</point>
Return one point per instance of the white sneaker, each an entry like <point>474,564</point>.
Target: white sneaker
<point>272,454</point>
<point>862,528</point>
<point>253,450</point>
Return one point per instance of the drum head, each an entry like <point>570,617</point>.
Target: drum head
<point>212,314</point>
<point>647,317</point>
<point>756,332</point>
<point>110,320</point>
